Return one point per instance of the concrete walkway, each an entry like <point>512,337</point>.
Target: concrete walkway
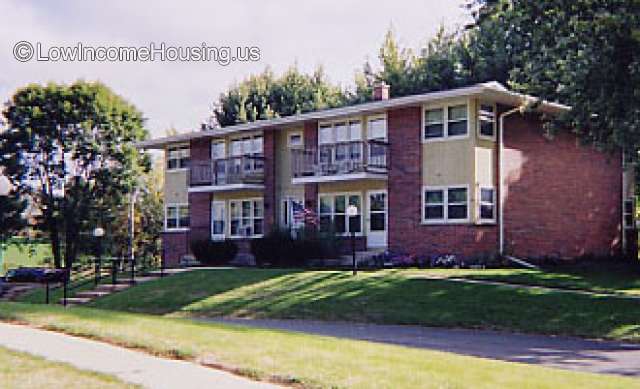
<point>552,351</point>
<point>130,366</point>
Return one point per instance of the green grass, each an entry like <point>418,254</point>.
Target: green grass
<point>621,279</point>
<point>20,370</point>
<point>25,255</point>
<point>389,297</point>
<point>313,361</point>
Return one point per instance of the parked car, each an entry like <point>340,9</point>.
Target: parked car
<point>35,274</point>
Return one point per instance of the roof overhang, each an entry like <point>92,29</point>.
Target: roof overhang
<point>490,90</point>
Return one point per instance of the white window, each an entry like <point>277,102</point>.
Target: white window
<point>246,218</point>
<point>445,204</point>
<point>325,134</point>
<point>176,216</point>
<point>487,204</point>
<point>487,121</point>
<point>292,213</point>
<point>218,220</point>
<point>445,122</point>
<point>377,128</point>
<point>295,140</point>
<point>628,213</point>
<point>333,213</point>
<point>178,157</point>
<point>218,150</point>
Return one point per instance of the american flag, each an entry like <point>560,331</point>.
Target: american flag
<point>303,215</point>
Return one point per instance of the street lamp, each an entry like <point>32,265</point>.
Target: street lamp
<point>98,233</point>
<point>352,210</point>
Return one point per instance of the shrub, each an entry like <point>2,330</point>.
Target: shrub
<point>280,248</point>
<point>209,252</point>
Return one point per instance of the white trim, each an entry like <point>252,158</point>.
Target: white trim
<point>346,194</point>
<point>177,170</point>
<point>339,177</point>
<point>252,217</point>
<point>445,121</point>
<point>170,230</point>
<point>224,220</point>
<point>479,202</point>
<point>295,133</point>
<point>225,188</point>
<point>480,103</point>
<point>491,90</point>
<point>445,198</point>
<point>178,205</point>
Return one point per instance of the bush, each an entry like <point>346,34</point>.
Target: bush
<point>209,252</point>
<point>280,248</point>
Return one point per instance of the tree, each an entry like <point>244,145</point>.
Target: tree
<point>265,96</point>
<point>584,53</point>
<point>70,148</point>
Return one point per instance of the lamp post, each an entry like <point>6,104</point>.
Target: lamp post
<point>352,210</point>
<point>98,233</point>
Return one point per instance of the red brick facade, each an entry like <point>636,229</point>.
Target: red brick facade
<point>406,231</point>
<point>269,138</point>
<point>174,246</point>
<point>562,199</point>
<point>200,203</point>
<point>311,190</point>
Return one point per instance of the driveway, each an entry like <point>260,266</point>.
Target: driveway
<point>128,365</point>
<point>553,351</point>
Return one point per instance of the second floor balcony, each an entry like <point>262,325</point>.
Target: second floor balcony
<point>341,161</point>
<point>243,172</point>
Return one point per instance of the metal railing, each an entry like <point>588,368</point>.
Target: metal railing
<point>341,158</point>
<point>248,169</point>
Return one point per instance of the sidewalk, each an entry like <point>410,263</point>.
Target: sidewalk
<point>130,366</point>
<point>605,357</point>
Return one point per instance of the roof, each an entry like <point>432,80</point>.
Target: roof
<point>490,90</point>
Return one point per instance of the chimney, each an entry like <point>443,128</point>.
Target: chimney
<point>380,91</point>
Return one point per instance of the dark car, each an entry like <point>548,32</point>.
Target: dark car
<point>35,274</point>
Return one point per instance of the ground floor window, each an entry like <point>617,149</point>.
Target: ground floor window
<point>218,220</point>
<point>246,217</point>
<point>628,211</point>
<point>292,213</point>
<point>333,213</point>
<point>176,216</point>
<point>487,204</point>
<point>445,204</point>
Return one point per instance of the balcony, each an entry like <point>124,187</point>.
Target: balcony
<point>235,173</point>
<point>341,161</point>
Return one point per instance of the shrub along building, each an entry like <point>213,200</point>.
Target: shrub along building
<point>466,171</point>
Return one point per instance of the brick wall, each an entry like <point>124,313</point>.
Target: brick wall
<point>174,246</point>
<point>311,141</point>
<point>406,231</point>
<point>562,199</point>
<point>200,216</point>
<point>269,179</point>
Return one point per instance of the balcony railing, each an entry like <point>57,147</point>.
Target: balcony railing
<point>341,158</point>
<point>247,169</point>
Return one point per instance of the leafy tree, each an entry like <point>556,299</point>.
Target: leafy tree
<point>266,96</point>
<point>70,149</point>
<point>584,53</point>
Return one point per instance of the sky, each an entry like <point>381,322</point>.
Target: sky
<point>339,35</point>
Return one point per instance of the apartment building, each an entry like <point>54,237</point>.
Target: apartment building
<point>466,171</point>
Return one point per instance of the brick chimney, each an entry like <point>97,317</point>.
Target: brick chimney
<point>380,91</point>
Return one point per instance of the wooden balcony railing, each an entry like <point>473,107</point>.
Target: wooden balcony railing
<point>246,169</point>
<point>341,158</point>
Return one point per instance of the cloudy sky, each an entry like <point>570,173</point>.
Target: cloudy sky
<point>338,34</point>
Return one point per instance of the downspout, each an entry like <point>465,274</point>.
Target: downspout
<point>501,177</point>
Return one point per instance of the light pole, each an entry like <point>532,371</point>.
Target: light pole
<point>98,233</point>
<point>352,210</point>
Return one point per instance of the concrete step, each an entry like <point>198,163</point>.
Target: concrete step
<point>93,293</point>
<point>111,288</point>
<point>76,300</point>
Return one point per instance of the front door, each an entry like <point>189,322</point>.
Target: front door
<point>377,217</point>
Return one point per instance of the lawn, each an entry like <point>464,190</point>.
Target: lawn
<point>313,361</point>
<point>20,370</point>
<point>33,254</point>
<point>608,278</point>
<point>390,297</point>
